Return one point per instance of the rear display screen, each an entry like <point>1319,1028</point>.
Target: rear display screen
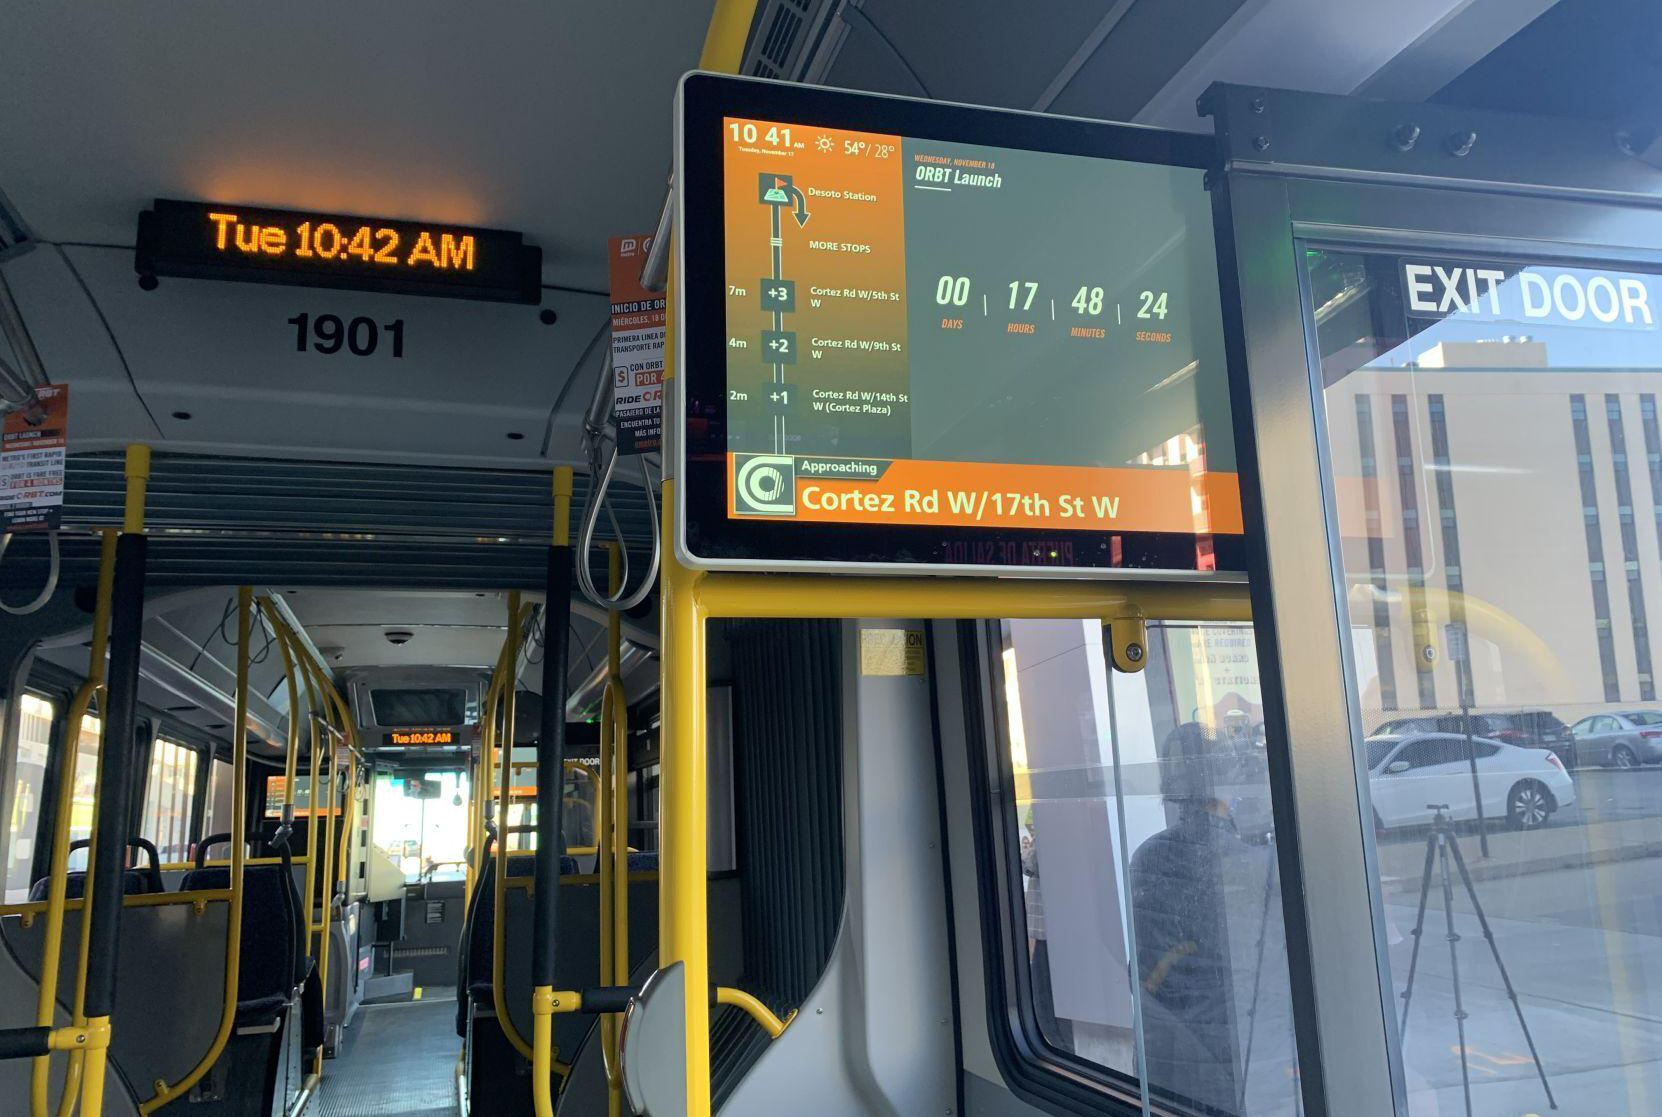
<point>945,353</point>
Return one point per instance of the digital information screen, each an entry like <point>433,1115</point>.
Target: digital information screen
<point>931,349</point>
<point>207,240</point>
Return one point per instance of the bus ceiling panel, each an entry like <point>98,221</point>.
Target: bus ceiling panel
<point>187,695</point>
<point>368,646</point>
<point>75,345</point>
<point>1328,47</point>
<point>1131,60</point>
<point>984,52</point>
<point>549,119</point>
<point>254,368</point>
<point>184,561</point>
<point>404,609</point>
<point>262,495</point>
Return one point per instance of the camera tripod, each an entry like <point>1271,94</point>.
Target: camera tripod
<point>1440,845</point>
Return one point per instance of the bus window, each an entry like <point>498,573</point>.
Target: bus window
<point>1140,820</point>
<point>33,740</point>
<point>217,820</point>
<point>421,824</point>
<point>86,783</point>
<point>579,814</point>
<point>168,793</point>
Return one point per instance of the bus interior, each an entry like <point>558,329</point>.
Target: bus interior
<point>377,740</point>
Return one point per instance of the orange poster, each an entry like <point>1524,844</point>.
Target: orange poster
<point>637,349</point>
<point>32,463</point>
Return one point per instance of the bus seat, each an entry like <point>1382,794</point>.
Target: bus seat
<point>272,960</point>
<point>136,881</point>
<point>577,923</point>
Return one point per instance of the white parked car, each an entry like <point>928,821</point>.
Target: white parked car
<point>1409,773</point>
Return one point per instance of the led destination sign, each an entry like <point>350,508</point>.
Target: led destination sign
<point>950,337</point>
<point>419,737</point>
<point>205,240</point>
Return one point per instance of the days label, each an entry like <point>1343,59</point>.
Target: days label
<point>891,651</point>
<point>638,319</point>
<point>32,465</point>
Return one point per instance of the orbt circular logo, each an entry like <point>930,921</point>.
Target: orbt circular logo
<point>764,485</point>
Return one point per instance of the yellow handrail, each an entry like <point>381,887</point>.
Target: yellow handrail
<point>543,1061</point>
<point>507,695</point>
<point>328,848</point>
<point>758,1011</point>
<point>313,768</point>
<point>291,760</point>
<point>136,469</point>
<point>239,852</point>
<point>614,835</point>
<point>58,873</point>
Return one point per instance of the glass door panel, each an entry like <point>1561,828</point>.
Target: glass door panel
<point>1496,469</point>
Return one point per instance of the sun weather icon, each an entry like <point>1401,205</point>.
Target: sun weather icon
<point>824,143</point>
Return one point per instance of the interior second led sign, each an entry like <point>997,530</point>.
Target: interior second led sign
<point>207,240</point>
<point>420,737</point>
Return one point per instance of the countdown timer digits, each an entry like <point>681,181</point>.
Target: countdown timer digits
<point>214,241</point>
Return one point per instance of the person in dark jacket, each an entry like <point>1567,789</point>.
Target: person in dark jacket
<point>1205,903</point>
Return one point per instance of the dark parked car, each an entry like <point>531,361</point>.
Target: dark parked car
<point>1530,729</point>
<point>1625,739</point>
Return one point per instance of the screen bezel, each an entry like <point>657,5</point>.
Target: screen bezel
<point>706,537</point>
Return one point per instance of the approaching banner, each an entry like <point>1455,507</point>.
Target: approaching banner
<point>637,350</point>
<point>32,465</point>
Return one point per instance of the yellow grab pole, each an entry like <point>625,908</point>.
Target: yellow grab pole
<point>617,731</point>
<point>327,804</point>
<point>291,761</point>
<point>543,996</point>
<point>313,765</point>
<point>725,38</point>
<point>239,853</point>
<point>614,836</point>
<point>136,469</point>
<point>683,903</point>
<point>58,872</point>
<point>508,695</point>
<point>138,486</point>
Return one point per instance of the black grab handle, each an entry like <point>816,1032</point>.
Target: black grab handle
<point>24,1043</point>
<point>143,845</point>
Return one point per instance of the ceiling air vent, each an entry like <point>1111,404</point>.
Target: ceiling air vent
<point>785,32</point>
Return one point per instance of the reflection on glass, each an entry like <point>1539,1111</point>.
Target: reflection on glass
<point>33,740</point>
<point>1497,473</point>
<point>1142,811</point>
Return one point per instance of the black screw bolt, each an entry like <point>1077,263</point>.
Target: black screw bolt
<point>1134,653</point>
<point>1405,136</point>
<point>148,283</point>
<point>1460,144</point>
<point>547,316</point>
<point>1260,143</point>
<point>1257,104</point>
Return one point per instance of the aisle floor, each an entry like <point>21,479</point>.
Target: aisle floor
<point>399,1060</point>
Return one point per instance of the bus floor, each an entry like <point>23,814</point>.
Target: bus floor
<point>398,1060</point>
